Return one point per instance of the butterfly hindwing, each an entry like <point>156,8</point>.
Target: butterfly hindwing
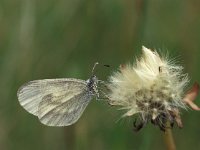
<point>63,110</point>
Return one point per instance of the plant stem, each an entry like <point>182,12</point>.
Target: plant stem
<point>169,139</point>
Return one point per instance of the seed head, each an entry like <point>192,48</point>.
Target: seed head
<point>153,88</point>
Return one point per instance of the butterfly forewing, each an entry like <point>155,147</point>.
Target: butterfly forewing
<point>32,93</point>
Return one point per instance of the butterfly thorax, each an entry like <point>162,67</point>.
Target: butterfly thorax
<point>92,85</point>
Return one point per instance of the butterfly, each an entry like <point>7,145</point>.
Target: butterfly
<point>58,102</point>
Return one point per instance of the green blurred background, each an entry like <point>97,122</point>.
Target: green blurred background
<point>63,38</point>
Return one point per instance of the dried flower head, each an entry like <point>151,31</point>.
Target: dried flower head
<point>153,88</point>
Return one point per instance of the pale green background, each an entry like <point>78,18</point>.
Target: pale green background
<point>63,38</point>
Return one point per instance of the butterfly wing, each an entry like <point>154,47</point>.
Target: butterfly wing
<point>31,94</point>
<point>63,110</point>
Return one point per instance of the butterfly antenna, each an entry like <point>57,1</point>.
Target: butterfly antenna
<point>106,65</point>
<point>94,67</point>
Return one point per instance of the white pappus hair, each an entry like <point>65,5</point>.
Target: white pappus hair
<point>153,88</point>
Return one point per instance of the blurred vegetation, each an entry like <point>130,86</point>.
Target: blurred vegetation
<point>63,38</point>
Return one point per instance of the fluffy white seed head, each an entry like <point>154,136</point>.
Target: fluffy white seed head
<point>153,85</point>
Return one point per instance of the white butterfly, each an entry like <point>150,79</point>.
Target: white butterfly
<point>58,102</point>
